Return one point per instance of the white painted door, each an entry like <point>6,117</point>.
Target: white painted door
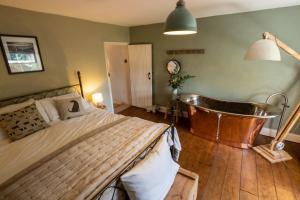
<point>140,64</point>
<point>118,69</point>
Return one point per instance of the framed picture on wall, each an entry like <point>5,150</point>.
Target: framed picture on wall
<point>21,54</point>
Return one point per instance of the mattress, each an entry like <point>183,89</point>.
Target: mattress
<point>73,159</point>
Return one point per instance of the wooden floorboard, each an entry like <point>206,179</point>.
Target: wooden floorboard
<point>230,173</point>
<point>247,196</point>
<point>216,179</point>
<point>293,170</point>
<point>265,180</point>
<point>232,182</point>
<point>282,182</point>
<point>248,173</point>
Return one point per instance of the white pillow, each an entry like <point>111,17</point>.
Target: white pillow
<point>42,111</point>
<point>49,105</point>
<point>87,106</point>
<point>49,108</point>
<point>15,107</point>
<point>152,178</point>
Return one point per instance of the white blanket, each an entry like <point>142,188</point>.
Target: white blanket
<point>20,154</point>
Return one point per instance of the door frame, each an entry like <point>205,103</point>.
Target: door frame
<point>107,67</point>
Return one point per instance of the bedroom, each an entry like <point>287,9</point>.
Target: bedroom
<point>68,37</point>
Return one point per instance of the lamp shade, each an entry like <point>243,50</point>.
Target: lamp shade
<point>97,98</point>
<point>263,49</point>
<point>180,21</point>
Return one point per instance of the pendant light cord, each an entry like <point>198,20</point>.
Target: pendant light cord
<point>180,3</point>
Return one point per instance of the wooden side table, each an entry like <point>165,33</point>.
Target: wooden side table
<point>177,109</point>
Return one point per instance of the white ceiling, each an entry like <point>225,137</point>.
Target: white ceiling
<point>139,12</point>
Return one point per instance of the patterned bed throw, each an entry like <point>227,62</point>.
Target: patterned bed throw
<point>80,170</point>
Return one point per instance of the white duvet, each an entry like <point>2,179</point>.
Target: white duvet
<point>18,155</point>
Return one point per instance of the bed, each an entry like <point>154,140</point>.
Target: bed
<point>78,158</point>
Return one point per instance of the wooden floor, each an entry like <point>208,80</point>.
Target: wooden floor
<point>231,173</point>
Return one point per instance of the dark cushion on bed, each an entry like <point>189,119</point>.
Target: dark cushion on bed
<point>22,122</point>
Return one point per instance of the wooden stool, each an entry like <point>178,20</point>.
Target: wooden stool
<point>184,187</point>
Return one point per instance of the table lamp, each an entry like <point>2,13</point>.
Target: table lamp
<point>98,100</point>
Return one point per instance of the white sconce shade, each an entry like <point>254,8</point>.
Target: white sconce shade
<point>263,49</point>
<point>97,98</point>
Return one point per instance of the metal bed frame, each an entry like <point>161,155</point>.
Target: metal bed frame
<point>79,89</point>
<point>46,93</point>
<point>135,161</point>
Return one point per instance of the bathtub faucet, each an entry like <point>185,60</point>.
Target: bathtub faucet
<point>285,106</point>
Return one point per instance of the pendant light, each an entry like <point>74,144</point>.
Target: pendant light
<point>180,21</point>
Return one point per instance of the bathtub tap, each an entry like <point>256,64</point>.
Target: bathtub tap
<point>285,106</point>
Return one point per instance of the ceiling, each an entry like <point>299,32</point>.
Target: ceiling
<point>139,12</point>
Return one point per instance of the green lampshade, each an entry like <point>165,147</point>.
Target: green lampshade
<point>180,21</point>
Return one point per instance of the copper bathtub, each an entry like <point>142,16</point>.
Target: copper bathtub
<point>231,123</point>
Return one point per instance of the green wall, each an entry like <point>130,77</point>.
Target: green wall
<point>66,45</point>
<point>69,44</point>
<point>221,72</point>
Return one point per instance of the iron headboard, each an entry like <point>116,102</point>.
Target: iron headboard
<point>77,88</point>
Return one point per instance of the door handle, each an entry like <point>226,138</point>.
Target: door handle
<point>149,75</point>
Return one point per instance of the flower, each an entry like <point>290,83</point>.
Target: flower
<point>176,80</point>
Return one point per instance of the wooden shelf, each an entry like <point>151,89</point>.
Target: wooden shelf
<point>186,51</point>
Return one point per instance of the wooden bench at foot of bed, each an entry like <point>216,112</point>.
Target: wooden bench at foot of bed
<point>184,187</point>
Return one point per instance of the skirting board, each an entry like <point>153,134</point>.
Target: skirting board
<point>265,131</point>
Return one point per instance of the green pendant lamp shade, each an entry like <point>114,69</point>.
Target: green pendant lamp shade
<point>180,21</point>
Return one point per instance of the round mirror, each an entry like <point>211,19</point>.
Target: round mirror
<point>173,66</point>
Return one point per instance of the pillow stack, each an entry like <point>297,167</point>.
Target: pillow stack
<point>56,111</point>
<point>22,119</point>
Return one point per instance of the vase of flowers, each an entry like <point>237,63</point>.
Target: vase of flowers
<point>174,93</point>
<point>176,81</point>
